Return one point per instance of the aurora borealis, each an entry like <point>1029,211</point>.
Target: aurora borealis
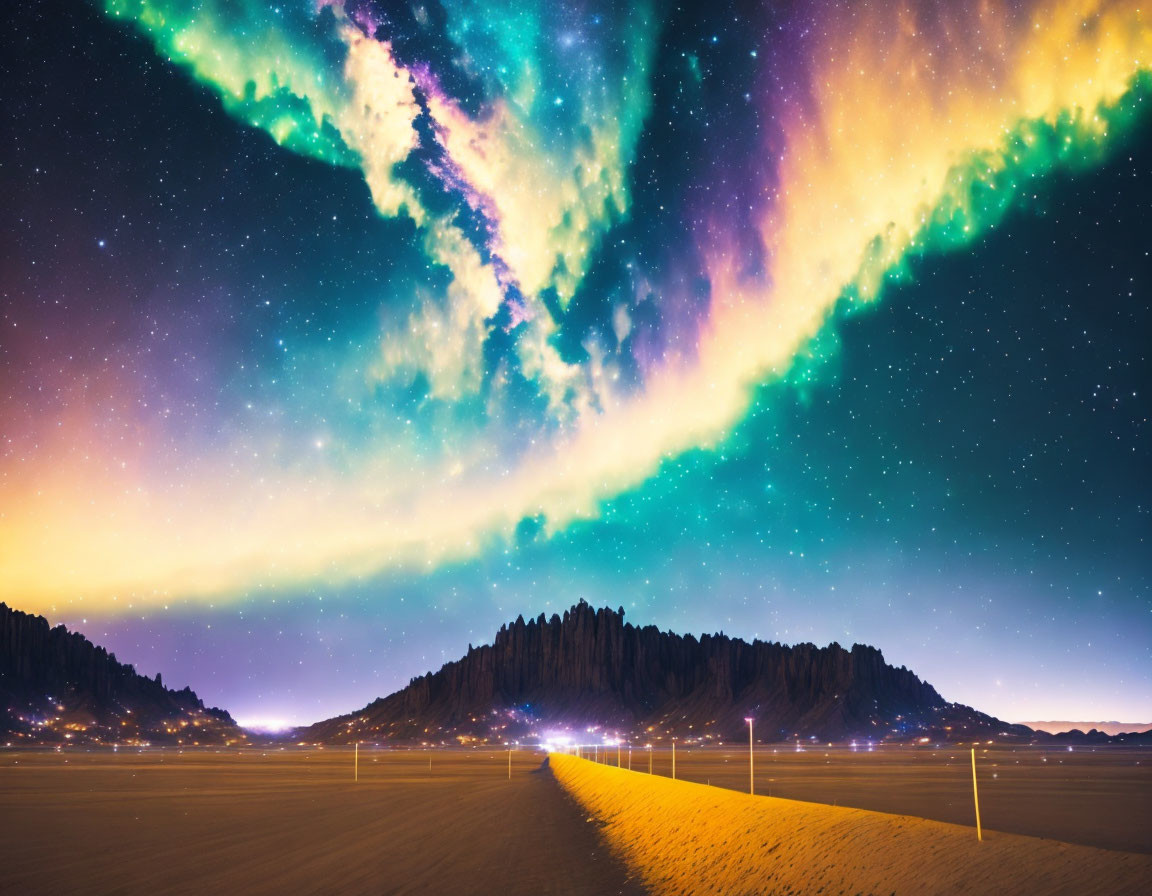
<point>336,333</point>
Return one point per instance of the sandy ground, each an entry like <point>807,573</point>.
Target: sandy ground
<point>294,822</point>
<point>685,838</point>
<point>1092,796</point>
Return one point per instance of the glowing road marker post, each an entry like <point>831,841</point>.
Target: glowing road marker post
<point>751,774</point>
<point>976,798</point>
<point>509,763</point>
<point>617,754</point>
<point>356,763</point>
<point>649,749</point>
<point>673,759</point>
<point>629,757</point>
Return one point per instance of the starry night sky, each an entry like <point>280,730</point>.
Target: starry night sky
<point>335,335</point>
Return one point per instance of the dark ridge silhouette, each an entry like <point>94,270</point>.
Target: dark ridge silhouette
<point>57,686</point>
<point>590,668</point>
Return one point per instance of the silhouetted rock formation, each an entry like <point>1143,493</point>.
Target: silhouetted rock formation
<point>56,686</point>
<point>590,668</point>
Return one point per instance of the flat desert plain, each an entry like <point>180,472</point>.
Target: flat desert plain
<point>294,821</point>
<point>1092,796</point>
<point>1095,796</point>
<point>271,820</point>
<point>685,839</point>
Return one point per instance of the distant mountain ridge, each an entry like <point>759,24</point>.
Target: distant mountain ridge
<point>57,687</point>
<point>1109,728</point>
<point>591,669</point>
<point>585,670</point>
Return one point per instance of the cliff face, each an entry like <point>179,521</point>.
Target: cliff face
<point>591,668</point>
<point>57,686</point>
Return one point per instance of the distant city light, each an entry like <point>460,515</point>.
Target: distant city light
<point>264,724</point>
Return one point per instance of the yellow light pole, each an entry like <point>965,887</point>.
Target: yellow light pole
<point>751,773</point>
<point>649,748</point>
<point>617,754</point>
<point>629,757</point>
<point>673,759</point>
<point>976,798</point>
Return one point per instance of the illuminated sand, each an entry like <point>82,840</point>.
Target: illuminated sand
<point>685,838</point>
<point>293,822</point>
<point>1098,796</point>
